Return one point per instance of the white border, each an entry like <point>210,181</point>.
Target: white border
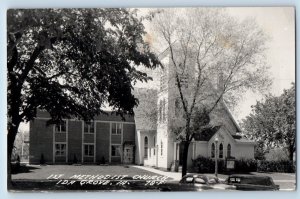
<point>5,4</point>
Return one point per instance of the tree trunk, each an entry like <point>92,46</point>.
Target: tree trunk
<point>12,132</point>
<point>185,157</point>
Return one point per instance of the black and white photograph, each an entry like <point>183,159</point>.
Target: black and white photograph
<point>151,99</point>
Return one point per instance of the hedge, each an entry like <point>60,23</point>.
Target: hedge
<point>284,166</point>
<point>207,165</point>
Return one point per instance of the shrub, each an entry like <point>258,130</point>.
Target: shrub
<point>207,165</point>
<point>245,166</point>
<point>284,166</point>
<point>42,160</point>
<point>276,154</point>
<point>75,161</point>
<point>102,160</point>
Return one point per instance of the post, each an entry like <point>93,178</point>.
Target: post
<point>216,158</point>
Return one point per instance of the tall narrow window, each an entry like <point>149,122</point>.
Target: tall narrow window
<point>146,147</point>
<point>161,148</point>
<point>213,150</point>
<point>160,111</point>
<point>228,150</point>
<point>61,127</point>
<point>221,151</point>
<point>164,110</point>
<point>154,144</point>
<point>115,150</point>
<point>89,150</point>
<point>60,149</point>
<point>116,128</point>
<point>89,127</point>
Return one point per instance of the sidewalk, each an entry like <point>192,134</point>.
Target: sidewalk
<point>175,176</point>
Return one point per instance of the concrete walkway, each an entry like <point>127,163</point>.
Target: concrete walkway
<point>175,176</point>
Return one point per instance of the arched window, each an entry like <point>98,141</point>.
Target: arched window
<point>146,147</point>
<point>221,151</point>
<point>163,110</point>
<point>154,144</point>
<point>228,150</point>
<point>161,148</point>
<point>213,150</point>
<point>160,111</point>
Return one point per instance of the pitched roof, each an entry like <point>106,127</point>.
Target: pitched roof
<point>207,134</point>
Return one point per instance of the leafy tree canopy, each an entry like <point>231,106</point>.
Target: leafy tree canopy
<point>72,61</point>
<point>273,121</point>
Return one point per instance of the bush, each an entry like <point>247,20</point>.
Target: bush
<point>276,154</point>
<point>42,160</point>
<point>245,166</point>
<point>102,160</point>
<point>207,165</point>
<point>284,166</point>
<point>75,161</point>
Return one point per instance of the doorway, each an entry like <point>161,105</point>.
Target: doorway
<point>128,154</point>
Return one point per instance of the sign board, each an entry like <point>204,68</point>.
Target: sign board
<point>230,164</point>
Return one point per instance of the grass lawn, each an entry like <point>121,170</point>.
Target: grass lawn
<point>34,177</point>
<point>38,172</point>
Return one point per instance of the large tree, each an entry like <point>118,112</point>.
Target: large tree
<point>208,47</point>
<point>71,62</point>
<point>273,122</point>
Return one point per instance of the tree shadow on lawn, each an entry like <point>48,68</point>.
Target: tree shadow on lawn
<point>16,169</point>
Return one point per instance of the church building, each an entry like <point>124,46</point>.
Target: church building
<point>147,138</point>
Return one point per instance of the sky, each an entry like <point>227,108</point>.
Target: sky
<point>279,25</point>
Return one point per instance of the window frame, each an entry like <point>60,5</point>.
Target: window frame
<point>212,150</point>
<point>154,143</point>
<point>60,150</point>
<point>58,127</point>
<point>221,151</point>
<point>160,111</point>
<point>228,150</point>
<point>89,125</point>
<point>161,148</point>
<point>88,145</point>
<point>111,151</point>
<point>115,131</point>
<point>146,147</point>
<point>163,117</point>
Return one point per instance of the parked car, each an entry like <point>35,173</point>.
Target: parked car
<point>201,182</point>
<point>252,183</point>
